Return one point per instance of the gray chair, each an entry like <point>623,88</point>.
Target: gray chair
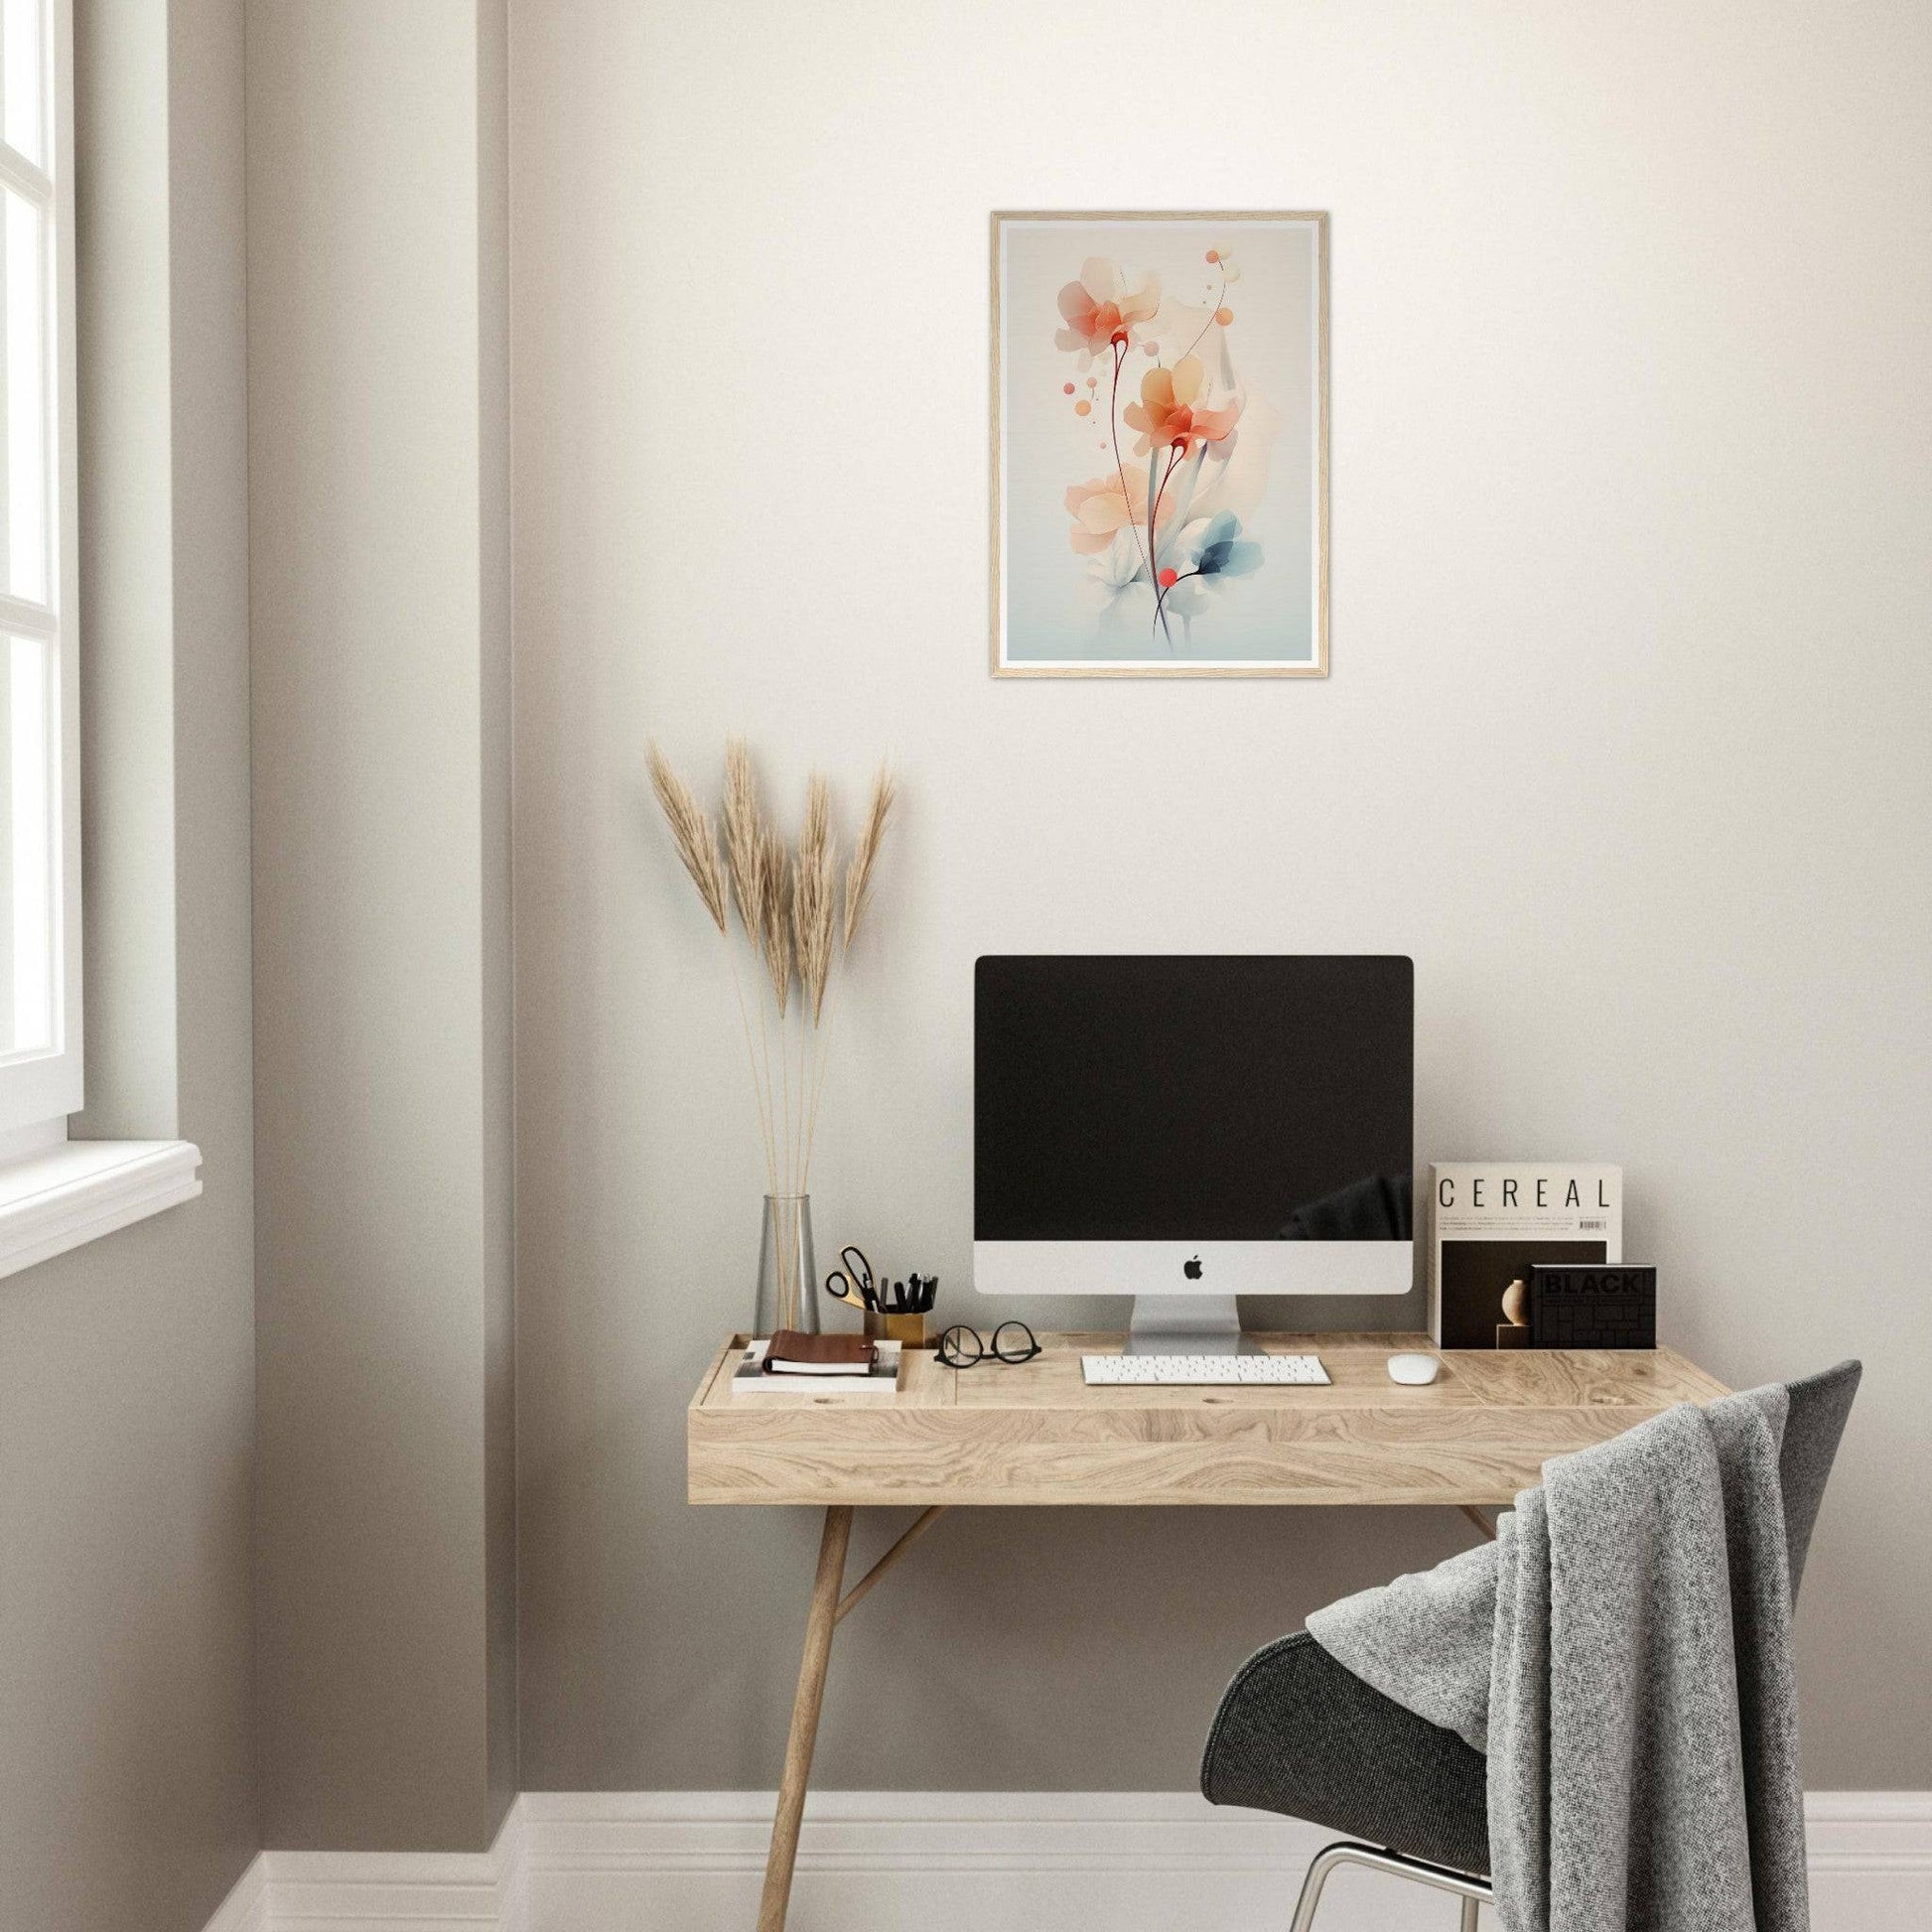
<point>1299,1733</point>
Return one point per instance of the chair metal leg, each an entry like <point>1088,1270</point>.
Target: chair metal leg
<point>1465,1885</point>
<point>1324,1862</point>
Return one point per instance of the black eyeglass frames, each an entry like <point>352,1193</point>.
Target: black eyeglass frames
<point>964,1347</point>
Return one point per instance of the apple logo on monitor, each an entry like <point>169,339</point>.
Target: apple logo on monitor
<point>1191,1269</point>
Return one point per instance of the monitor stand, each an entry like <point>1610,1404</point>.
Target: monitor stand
<point>1186,1325</point>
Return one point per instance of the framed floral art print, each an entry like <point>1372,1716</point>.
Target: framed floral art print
<point>1159,458</point>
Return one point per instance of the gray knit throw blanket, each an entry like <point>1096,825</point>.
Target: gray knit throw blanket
<point>1622,1652</point>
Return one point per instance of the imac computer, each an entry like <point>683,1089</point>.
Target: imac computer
<point>1185,1129</point>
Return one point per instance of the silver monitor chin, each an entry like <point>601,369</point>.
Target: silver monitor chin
<point>1183,1296</point>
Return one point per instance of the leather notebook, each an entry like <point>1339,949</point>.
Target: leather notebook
<point>794,1353</point>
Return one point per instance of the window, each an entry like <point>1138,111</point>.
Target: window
<point>54,1193</point>
<point>40,860</point>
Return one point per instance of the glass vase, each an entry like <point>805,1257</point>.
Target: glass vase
<point>787,1271</point>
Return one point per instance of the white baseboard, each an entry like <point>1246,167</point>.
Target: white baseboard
<point>1869,1855</point>
<point>384,1891</point>
<point>950,1861</point>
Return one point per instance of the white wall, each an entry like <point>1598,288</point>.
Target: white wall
<point>1625,743</point>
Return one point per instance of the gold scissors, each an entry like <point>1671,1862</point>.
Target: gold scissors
<point>852,1281</point>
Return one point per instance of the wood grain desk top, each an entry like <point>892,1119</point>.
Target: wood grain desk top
<point>1035,1433</point>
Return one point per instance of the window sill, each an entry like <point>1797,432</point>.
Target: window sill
<point>79,1190</point>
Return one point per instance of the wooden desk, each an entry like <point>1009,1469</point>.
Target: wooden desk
<point>1033,1434</point>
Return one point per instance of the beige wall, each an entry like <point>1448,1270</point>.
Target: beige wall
<point>1625,743</point>
<point>377,442</point>
<point>494,907</point>
<point>127,1796</point>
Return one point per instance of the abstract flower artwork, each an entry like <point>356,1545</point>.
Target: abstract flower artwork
<point>1159,445</point>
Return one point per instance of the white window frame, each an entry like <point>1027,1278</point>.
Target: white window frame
<point>39,1088</point>
<point>55,1193</point>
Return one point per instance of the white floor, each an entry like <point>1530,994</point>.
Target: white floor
<point>955,1862</point>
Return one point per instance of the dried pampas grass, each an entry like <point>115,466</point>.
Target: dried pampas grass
<point>871,835</point>
<point>813,895</point>
<point>787,907</point>
<point>745,838</point>
<point>775,917</point>
<point>692,831</point>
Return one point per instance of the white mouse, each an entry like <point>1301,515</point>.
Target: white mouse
<point>1413,1369</point>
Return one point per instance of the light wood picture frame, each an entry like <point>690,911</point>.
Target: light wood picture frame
<point>1159,431</point>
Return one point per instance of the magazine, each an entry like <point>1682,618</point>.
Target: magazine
<point>1490,1221</point>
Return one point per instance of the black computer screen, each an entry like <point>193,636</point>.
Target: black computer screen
<point>1170,1097</point>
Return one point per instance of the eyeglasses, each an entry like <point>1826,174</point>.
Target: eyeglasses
<point>964,1347</point>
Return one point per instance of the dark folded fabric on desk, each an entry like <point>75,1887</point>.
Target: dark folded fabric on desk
<point>1376,1208</point>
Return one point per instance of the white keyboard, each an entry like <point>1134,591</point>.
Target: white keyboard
<point>1202,1371</point>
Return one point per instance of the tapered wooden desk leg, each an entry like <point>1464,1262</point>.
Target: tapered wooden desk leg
<point>804,1719</point>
